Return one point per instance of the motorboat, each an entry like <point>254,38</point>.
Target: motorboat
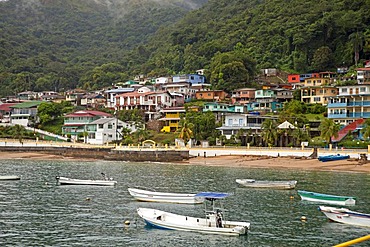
<point>281,185</point>
<point>72,181</point>
<point>213,222</point>
<point>346,216</point>
<point>326,198</point>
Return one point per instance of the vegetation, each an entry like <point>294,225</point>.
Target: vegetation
<point>328,129</point>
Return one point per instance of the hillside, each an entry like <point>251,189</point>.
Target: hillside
<point>52,44</point>
<point>293,35</point>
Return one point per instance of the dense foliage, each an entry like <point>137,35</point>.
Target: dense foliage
<point>64,44</point>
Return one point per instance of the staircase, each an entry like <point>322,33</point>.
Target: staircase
<point>350,127</point>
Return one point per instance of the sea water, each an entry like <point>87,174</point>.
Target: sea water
<point>35,211</point>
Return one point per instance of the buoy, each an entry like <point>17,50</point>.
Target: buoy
<point>127,222</point>
<point>46,183</point>
<point>303,218</point>
<point>88,199</point>
<point>291,197</point>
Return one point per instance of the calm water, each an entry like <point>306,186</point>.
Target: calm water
<point>36,212</point>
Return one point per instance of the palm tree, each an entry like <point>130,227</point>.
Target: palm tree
<point>366,129</point>
<point>269,132</point>
<point>186,131</point>
<point>18,132</point>
<point>328,129</point>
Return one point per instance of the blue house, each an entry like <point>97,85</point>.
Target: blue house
<point>193,79</point>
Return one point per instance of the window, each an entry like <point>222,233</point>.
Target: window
<point>316,99</point>
<point>241,122</point>
<point>362,89</point>
<point>110,126</point>
<point>101,126</point>
<point>230,122</point>
<point>344,90</point>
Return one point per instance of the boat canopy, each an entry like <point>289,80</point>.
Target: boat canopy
<point>212,195</point>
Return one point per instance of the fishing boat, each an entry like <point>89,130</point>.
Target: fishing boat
<point>71,181</point>
<point>213,223</point>
<point>10,177</point>
<point>281,185</point>
<point>153,196</point>
<point>326,158</point>
<point>325,198</point>
<point>346,216</point>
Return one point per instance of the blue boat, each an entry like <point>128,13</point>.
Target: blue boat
<point>326,158</point>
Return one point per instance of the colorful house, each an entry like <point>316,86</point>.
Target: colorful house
<point>171,119</point>
<point>318,94</point>
<point>243,96</point>
<point>22,113</point>
<point>212,95</point>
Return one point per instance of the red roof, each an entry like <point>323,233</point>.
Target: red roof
<point>6,106</point>
<point>363,69</point>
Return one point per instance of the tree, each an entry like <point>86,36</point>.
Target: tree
<point>269,132</point>
<point>366,129</point>
<point>186,132</point>
<point>328,129</point>
<point>322,59</point>
<point>357,41</point>
<point>18,132</point>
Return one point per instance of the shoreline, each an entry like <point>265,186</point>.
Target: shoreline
<point>263,162</point>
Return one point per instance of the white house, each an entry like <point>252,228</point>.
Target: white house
<point>106,130</point>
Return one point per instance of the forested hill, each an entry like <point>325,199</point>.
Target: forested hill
<point>56,44</point>
<point>293,35</point>
<point>62,44</point>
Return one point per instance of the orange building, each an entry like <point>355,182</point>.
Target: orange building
<point>213,95</point>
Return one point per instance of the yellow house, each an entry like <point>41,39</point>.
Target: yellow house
<point>319,95</point>
<point>171,118</point>
<point>314,82</point>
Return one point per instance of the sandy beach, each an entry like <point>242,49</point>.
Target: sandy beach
<point>234,161</point>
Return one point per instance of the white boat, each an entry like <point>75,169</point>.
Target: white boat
<point>346,216</point>
<point>213,223</point>
<point>153,196</point>
<point>281,185</point>
<point>326,198</point>
<point>10,177</point>
<point>72,181</point>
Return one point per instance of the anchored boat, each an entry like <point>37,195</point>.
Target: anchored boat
<point>346,216</point>
<point>154,196</point>
<point>214,221</point>
<point>325,198</point>
<point>281,185</point>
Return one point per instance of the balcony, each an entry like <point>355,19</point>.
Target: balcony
<point>332,105</point>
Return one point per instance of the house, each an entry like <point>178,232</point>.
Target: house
<point>171,119</point>
<point>75,123</point>
<point>93,101</point>
<point>313,81</point>
<point>351,103</point>
<point>220,110</point>
<point>294,78</point>
<point>363,75</point>
<point>5,112</point>
<point>112,93</point>
<point>243,96</point>
<point>235,122</point>
<point>182,88</point>
<point>106,130</point>
<point>265,101</point>
<point>191,79</point>
<point>27,95</point>
<point>283,95</point>
<point>24,113</point>
<point>211,95</point>
<point>75,96</point>
<point>163,80</point>
<point>318,94</point>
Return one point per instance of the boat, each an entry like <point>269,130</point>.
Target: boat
<point>346,216</point>
<point>281,185</point>
<point>10,177</point>
<point>326,158</point>
<point>153,196</point>
<point>213,222</point>
<point>325,198</point>
<point>71,181</point>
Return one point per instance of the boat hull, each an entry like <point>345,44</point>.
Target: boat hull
<point>327,199</point>
<point>281,185</point>
<point>346,216</point>
<point>152,196</point>
<point>170,221</point>
<point>327,158</point>
<point>71,181</point>
<point>10,177</point>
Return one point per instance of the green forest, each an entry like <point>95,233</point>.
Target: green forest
<point>65,44</point>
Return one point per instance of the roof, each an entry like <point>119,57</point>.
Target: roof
<point>6,106</point>
<point>88,113</point>
<point>212,195</point>
<point>120,90</point>
<point>27,104</point>
<point>286,125</point>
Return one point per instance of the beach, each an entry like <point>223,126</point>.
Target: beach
<point>247,161</point>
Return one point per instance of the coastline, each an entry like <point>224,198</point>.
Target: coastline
<point>263,162</point>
